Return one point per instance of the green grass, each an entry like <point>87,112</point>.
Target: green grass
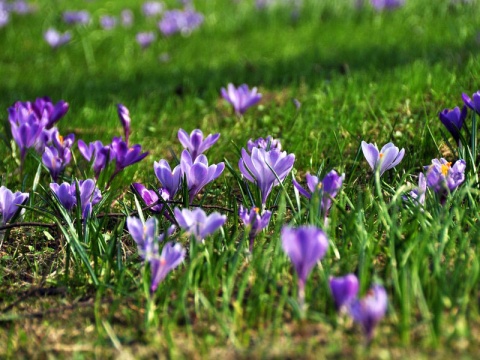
<point>359,75</point>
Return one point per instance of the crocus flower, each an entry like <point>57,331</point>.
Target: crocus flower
<point>108,22</point>
<point>344,290</point>
<point>126,17</point>
<point>44,107</point>
<point>76,17</point>
<point>66,194</point>
<point>305,246</point>
<point>387,4</point>
<point>179,21</point>
<point>55,161</point>
<point>172,256</point>
<point>4,17</point>
<point>125,155</point>
<point>474,102</point>
<point>56,39</point>
<point>254,222</point>
<point>145,39</point>
<point>369,310</point>
<point>453,120</point>
<point>269,143</point>
<point>195,143</point>
<point>95,152</point>
<point>145,235</point>
<point>241,98</point>
<point>170,179</point>
<point>328,187</point>
<point>386,159</point>
<point>196,223</point>
<point>263,167</point>
<point>418,194</point>
<point>125,120</point>
<point>89,195</point>
<point>150,197</point>
<point>152,8</point>
<point>9,202</point>
<point>198,173</point>
<point>443,177</point>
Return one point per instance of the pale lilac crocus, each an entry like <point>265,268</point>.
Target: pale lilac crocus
<point>453,120</point>
<point>55,38</point>
<point>152,8</point>
<point>197,224</point>
<point>145,235</point>
<point>254,222</point>
<point>387,158</point>
<point>76,17</point>
<point>418,194</point>
<point>150,197</point>
<point>241,98</point>
<point>198,173</point>
<point>370,309</point>
<point>108,22</point>
<point>474,102</point>
<point>305,246</point>
<point>172,255</point>
<point>126,17</point>
<point>145,39</point>
<point>443,177</point>
<point>9,203</point>
<point>4,17</point>
<point>344,290</point>
<point>328,188</point>
<point>125,120</point>
<point>195,143</point>
<point>269,143</point>
<point>170,179</point>
<point>265,168</point>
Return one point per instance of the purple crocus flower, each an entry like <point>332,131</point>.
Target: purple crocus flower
<point>443,177</point>
<point>387,4</point>
<point>172,256</point>
<point>152,8</point>
<point>305,246</point>
<point>76,17</point>
<point>108,22</point>
<point>66,194</point>
<point>126,17</point>
<point>197,224</point>
<point>453,120</point>
<point>9,202</point>
<point>145,235</point>
<point>263,167</point>
<point>474,102</point>
<point>195,143</point>
<point>369,310</point>
<point>170,179</point>
<point>179,21</point>
<point>269,143</point>
<point>418,194</point>
<point>4,17</point>
<point>125,155</point>
<point>198,173</point>
<point>55,161</point>
<point>89,195</point>
<point>344,290</point>
<point>388,157</point>
<point>150,197</point>
<point>56,39</point>
<point>53,112</point>
<point>95,152</point>
<point>328,187</point>
<point>254,222</point>
<point>241,98</point>
<point>145,39</point>
<point>125,120</point>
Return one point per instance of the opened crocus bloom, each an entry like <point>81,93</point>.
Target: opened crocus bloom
<point>387,158</point>
<point>442,176</point>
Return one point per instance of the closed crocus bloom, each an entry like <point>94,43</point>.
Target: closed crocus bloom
<point>125,120</point>
<point>474,102</point>
<point>145,235</point>
<point>453,120</point>
<point>66,194</point>
<point>369,310</point>
<point>150,197</point>
<point>197,223</point>
<point>198,173</point>
<point>54,162</point>
<point>172,256</point>
<point>254,221</point>
<point>344,290</point>
<point>195,143</point>
<point>442,176</point>
<point>305,246</point>
<point>387,158</point>
<point>241,98</point>
<point>265,168</point>
<point>170,179</point>
<point>9,202</point>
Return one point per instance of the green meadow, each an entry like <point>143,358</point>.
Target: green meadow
<point>358,74</point>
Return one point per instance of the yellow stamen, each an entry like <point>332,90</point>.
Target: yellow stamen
<point>60,139</point>
<point>445,168</point>
<point>257,210</point>
<point>319,185</point>
<point>381,155</point>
